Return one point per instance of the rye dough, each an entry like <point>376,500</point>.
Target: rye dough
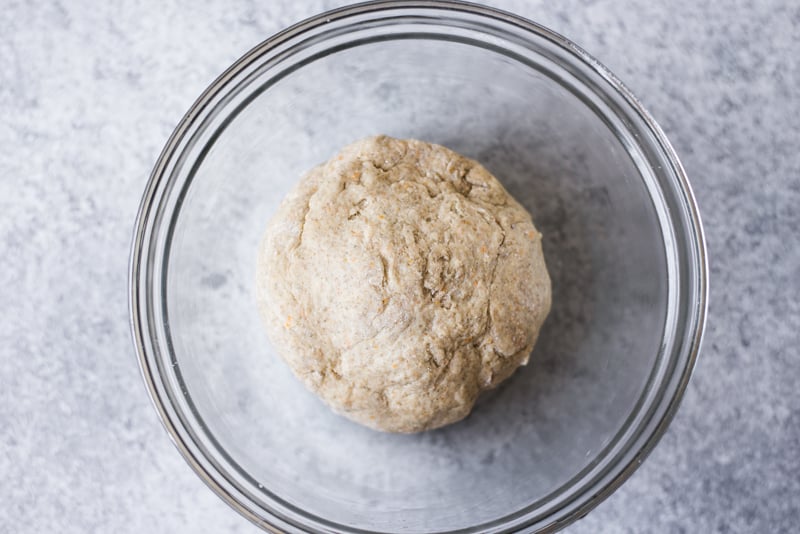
<point>399,280</point>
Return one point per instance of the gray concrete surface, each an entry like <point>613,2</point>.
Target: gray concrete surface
<point>89,92</point>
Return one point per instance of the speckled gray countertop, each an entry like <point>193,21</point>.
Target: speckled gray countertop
<point>89,92</point>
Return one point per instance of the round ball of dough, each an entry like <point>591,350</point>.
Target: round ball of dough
<point>399,280</point>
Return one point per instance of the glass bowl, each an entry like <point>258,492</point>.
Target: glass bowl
<point>622,239</point>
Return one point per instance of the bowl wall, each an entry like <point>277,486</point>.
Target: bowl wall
<point>618,236</point>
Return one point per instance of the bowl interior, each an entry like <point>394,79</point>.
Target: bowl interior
<point>526,442</point>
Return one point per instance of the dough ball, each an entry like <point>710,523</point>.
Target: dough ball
<point>399,280</point>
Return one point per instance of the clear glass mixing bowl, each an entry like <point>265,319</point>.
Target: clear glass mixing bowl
<point>623,242</point>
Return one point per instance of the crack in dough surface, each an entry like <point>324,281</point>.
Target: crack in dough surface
<point>399,280</point>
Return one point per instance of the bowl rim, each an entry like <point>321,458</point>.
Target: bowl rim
<point>135,267</point>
